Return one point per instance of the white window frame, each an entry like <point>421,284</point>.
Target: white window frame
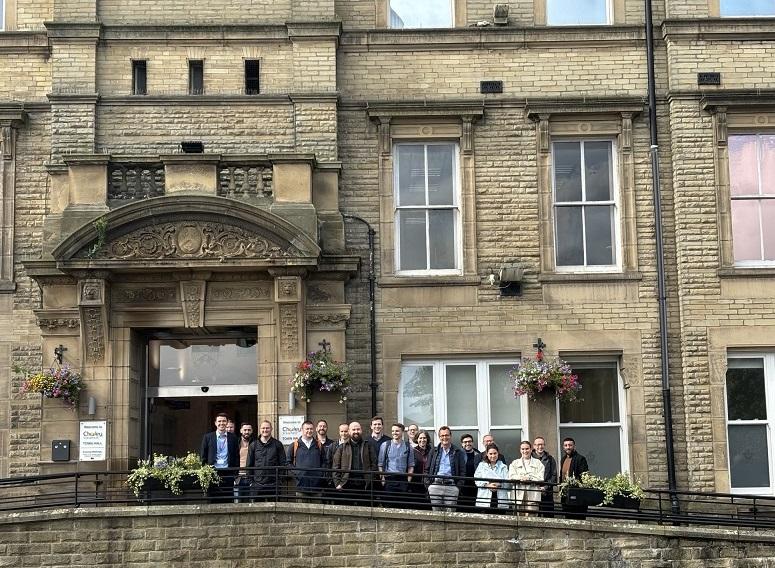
<point>624,443</point>
<point>484,417</point>
<point>2,15</point>
<point>451,14</point>
<point>720,2</point>
<point>754,197</point>
<point>609,16</point>
<point>769,393</point>
<point>455,207</point>
<point>616,202</point>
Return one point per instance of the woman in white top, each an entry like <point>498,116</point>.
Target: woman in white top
<point>491,493</point>
<point>526,468</point>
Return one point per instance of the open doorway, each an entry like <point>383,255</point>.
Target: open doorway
<point>191,377</point>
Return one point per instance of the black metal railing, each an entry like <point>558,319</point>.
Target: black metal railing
<point>366,489</point>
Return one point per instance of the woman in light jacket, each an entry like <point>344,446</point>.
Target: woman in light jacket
<point>492,493</point>
<point>527,496</point>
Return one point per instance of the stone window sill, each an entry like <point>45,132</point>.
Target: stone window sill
<point>747,272</point>
<point>583,277</point>
<point>409,281</point>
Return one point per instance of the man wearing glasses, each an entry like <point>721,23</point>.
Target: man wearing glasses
<point>446,466</point>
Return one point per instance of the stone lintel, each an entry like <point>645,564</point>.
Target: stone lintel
<point>79,31</point>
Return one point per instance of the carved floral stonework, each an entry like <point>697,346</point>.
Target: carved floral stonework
<point>143,295</point>
<point>195,239</point>
<point>289,330</point>
<point>58,323</point>
<point>92,292</point>
<point>240,293</point>
<point>193,294</point>
<point>326,320</point>
<point>288,288</point>
<point>93,330</point>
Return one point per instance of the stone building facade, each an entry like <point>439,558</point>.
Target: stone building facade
<point>233,258</point>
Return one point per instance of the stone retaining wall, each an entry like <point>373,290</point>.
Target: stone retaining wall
<point>296,535</point>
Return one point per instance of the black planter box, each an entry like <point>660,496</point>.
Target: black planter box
<point>154,490</point>
<point>622,502</point>
<point>584,496</point>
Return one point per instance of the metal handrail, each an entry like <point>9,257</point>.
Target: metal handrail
<point>99,489</point>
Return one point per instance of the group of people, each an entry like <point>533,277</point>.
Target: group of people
<point>400,469</point>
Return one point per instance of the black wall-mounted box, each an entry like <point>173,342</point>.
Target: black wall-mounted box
<point>60,450</point>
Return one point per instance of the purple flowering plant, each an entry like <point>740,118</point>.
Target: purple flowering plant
<point>535,375</point>
<point>56,382</point>
<point>321,372</point>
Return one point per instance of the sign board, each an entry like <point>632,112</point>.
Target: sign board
<point>93,440</point>
<point>289,428</point>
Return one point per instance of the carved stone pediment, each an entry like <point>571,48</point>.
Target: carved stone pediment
<point>189,240</point>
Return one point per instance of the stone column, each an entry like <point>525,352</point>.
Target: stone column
<point>289,318</point>
<point>10,121</point>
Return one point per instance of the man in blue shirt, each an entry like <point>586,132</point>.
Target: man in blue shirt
<point>221,449</point>
<point>446,466</point>
<point>396,462</point>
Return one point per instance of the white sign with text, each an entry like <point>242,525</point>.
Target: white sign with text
<point>93,444</point>
<point>289,428</point>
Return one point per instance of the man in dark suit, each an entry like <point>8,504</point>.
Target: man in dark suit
<point>221,449</point>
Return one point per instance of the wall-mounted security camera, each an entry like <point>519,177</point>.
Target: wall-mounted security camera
<point>204,389</point>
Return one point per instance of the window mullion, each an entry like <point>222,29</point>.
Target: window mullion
<point>769,398</point>
<point>584,201</point>
<point>759,187</point>
<point>427,212</point>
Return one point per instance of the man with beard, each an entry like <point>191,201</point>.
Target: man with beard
<point>357,459</point>
<point>472,457</point>
<point>321,433</point>
<point>573,464</point>
<point>267,455</point>
<point>243,479</point>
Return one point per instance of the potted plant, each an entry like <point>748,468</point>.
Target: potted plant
<point>62,382</point>
<point>171,473</point>
<point>623,492</point>
<point>533,376</point>
<point>319,371</point>
<point>586,490</point>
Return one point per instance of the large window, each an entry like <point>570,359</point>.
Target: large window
<point>585,212</point>
<point>597,422</point>
<point>424,14</point>
<point>578,12</point>
<point>473,397</point>
<point>752,191</point>
<point>427,208</point>
<point>750,416</point>
<point>747,8</point>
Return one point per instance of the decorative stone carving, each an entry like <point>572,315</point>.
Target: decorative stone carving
<point>190,240</point>
<point>289,330</point>
<point>92,294</point>
<point>144,295</point>
<point>543,133</point>
<point>193,295</point>
<point>626,137</point>
<point>321,321</point>
<point>467,140</point>
<point>93,332</point>
<point>287,288</point>
<point>8,141</point>
<point>129,182</point>
<point>223,294</point>
<point>51,324</point>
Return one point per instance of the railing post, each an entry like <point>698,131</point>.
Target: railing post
<point>75,500</point>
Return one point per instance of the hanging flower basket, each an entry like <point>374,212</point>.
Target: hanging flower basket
<point>320,372</point>
<point>536,375</point>
<point>56,382</point>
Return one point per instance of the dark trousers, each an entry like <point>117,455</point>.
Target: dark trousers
<point>395,490</point>
<point>224,491</point>
<point>467,498</point>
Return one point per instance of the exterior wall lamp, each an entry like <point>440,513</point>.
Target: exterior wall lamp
<point>508,279</point>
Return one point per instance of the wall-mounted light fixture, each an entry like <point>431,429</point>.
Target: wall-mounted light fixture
<point>291,401</point>
<point>508,280</point>
<point>92,406</point>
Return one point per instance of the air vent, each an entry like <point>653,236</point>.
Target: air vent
<point>487,87</point>
<point>192,147</point>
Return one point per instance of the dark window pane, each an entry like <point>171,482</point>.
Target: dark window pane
<point>461,396</point>
<point>600,445</point>
<point>411,174</point>
<point>745,390</point>
<point>442,236</point>
<point>599,394</point>
<point>411,225</point>
<point>139,77</point>
<point>441,174</point>
<point>196,77</point>
<point>570,239</point>
<point>600,235</point>
<point>566,157</point>
<point>504,406</point>
<point>251,77</point>
<point>748,455</point>
<point>597,169</point>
